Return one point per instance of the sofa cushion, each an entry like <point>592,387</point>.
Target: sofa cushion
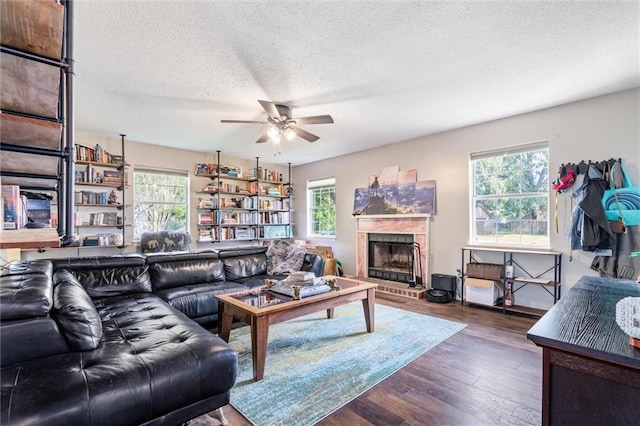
<point>239,251</point>
<point>237,268</point>
<point>22,267</point>
<point>104,276</point>
<point>30,338</point>
<point>313,263</point>
<point>198,300</point>
<point>75,313</point>
<point>284,258</point>
<point>176,270</point>
<point>25,296</point>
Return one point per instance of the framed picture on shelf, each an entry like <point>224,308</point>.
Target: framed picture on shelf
<point>242,233</point>
<point>271,231</point>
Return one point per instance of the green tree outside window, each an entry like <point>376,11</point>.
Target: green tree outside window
<point>510,197</point>
<point>322,210</point>
<point>159,202</point>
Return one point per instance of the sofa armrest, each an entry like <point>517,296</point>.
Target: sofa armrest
<point>313,263</point>
<point>22,340</point>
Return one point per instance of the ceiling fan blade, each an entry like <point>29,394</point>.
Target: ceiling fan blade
<point>263,138</point>
<point>304,134</point>
<point>271,109</point>
<point>243,121</point>
<point>317,119</point>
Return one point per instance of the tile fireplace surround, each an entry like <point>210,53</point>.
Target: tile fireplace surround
<point>413,224</point>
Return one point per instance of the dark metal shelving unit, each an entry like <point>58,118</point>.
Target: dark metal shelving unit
<point>552,285</point>
<point>53,176</point>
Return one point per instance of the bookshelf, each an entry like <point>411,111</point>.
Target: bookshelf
<point>98,198</point>
<point>239,206</point>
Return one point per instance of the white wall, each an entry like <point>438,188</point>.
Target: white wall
<point>595,129</point>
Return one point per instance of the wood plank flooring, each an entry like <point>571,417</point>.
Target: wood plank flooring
<point>487,374</point>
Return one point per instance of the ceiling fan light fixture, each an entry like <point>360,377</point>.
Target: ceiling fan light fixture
<point>289,134</point>
<point>281,123</point>
<point>274,134</point>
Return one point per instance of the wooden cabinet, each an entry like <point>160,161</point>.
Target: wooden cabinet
<point>237,206</point>
<point>590,372</point>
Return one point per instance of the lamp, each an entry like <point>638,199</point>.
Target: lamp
<point>274,134</point>
<point>289,134</point>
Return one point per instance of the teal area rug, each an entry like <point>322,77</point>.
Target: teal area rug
<point>316,365</point>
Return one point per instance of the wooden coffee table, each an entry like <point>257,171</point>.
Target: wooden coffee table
<point>259,309</point>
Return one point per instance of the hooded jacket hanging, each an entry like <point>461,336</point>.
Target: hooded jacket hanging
<point>595,233</point>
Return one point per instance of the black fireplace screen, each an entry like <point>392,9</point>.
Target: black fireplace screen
<point>391,257</point>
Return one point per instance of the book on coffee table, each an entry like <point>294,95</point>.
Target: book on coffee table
<point>299,289</point>
<point>300,276</point>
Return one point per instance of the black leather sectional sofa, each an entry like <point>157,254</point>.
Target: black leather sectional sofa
<point>115,339</point>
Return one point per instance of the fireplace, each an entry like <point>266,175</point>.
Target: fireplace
<point>391,257</point>
<point>395,233</point>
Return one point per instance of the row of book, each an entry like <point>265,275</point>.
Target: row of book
<point>244,203</point>
<point>92,175</point>
<point>97,219</point>
<point>261,173</point>
<point>96,155</point>
<point>240,233</point>
<point>283,204</point>
<point>248,218</point>
<point>274,217</point>
<point>101,240</point>
<point>238,203</point>
<point>91,197</point>
<point>234,233</point>
<point>214,169</point>
<point>215,234</point>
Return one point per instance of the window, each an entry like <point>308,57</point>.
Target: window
<point>510,196</point>
<point>321,208</point>
<point>160,201</point>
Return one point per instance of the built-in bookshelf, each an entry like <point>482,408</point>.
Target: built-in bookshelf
<point>99,196</point>
<point>238,204</point>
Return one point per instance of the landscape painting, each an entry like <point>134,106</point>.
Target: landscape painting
<point>360,199</point>
<point>425,197</point>
<point>406,190</point>
<point>395,192</point>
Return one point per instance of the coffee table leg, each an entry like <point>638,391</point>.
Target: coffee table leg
<point>224,322</point>
<point>368,305</point>
<point>259,337</point>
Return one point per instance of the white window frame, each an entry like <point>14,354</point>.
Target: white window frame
<point>526,237</point>
<point>313,186</point>
<point>150,170</point>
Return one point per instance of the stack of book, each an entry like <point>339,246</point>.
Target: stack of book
<point>112,177</point>
<point>299,285</point>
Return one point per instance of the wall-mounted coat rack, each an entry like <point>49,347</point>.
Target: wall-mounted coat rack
<point>582,166</point>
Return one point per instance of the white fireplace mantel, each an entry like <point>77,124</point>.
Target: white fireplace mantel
<point>417,225</point>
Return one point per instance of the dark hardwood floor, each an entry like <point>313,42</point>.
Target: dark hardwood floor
<point>487,374</point>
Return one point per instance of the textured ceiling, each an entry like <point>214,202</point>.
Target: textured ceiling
<point>166,73</point>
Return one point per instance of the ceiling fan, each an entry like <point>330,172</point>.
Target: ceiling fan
<point>281,123</point>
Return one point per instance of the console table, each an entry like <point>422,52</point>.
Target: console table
<point>590,373</point>
<point>548,280</point>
